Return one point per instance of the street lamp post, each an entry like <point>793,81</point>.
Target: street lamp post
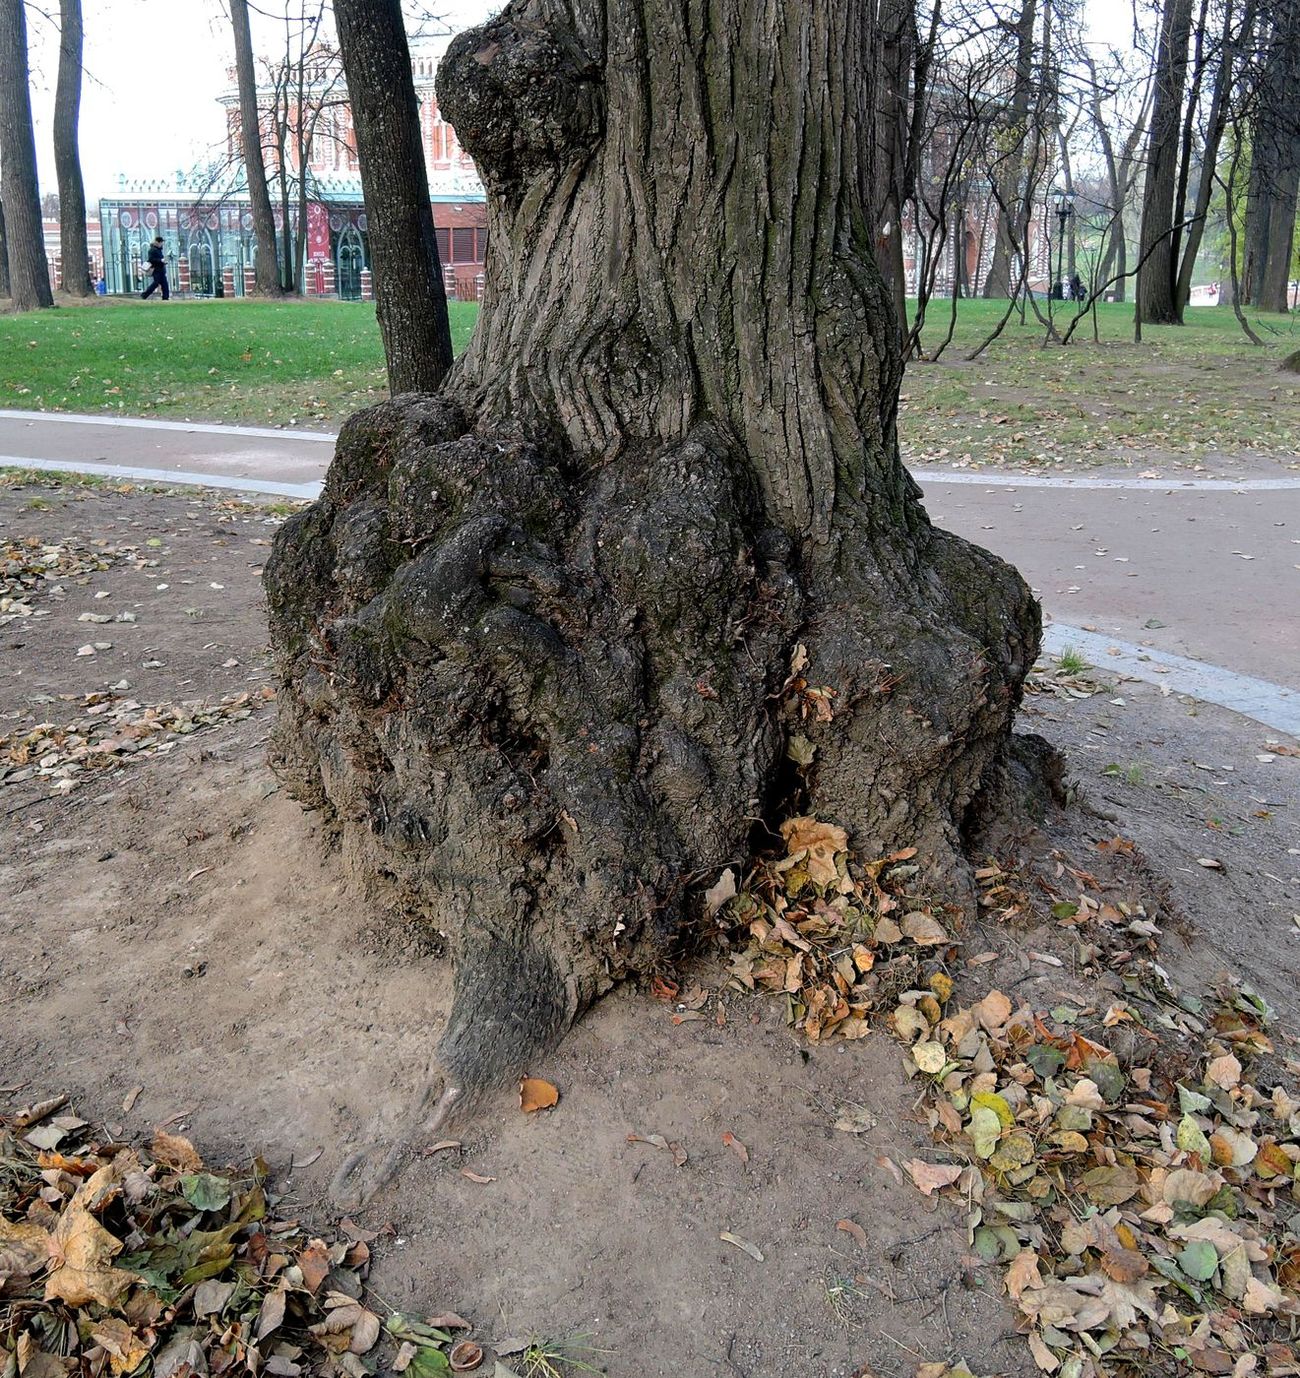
<point>1064,210</point>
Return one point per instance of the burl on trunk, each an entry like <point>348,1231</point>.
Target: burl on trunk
<point>534,639</point>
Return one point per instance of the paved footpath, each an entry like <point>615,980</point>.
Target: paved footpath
<point>1192,584</point>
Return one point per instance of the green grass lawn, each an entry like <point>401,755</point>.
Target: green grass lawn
<point>1182,396</point>
<point>295,363</point>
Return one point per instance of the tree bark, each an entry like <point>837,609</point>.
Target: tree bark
<point>1275,166</point>
<point>1156,286</point>
<point>409,290</point>
<point>544,641</point>
<point>266,267</point>
<point>67,156</point>
<point>29,274</point>
<point>4,254</point>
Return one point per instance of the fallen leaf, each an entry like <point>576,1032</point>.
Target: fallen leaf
<point>1224,1072</point>
<point>851,1227</point>
<point>993,1011</point>
<point>125,1349</point>
<point>131,1097</point>
<point>314,1262</point>
<point>24,1249</point>
<point>1209,863</point>
<point>736,1146</point>
<point>536,1094</point>
<point>742,1244</point>
<point>476,1177</point>
<point>441,1147</point>
<point>930,1177</point>
<point>1022,1272</point>
<point>923,929</point>
<point>721,891</point>
<point>81,1250</point>
<point>175,1151</point>
<point>816,844</point>
<point>449,1320</point>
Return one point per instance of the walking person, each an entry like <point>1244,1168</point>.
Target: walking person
<point>158,267</point>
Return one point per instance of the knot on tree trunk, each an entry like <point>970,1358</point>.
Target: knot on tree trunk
<point>536,704</point>
<point>524,98</point>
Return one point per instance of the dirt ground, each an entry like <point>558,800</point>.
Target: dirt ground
<point>176,924</point>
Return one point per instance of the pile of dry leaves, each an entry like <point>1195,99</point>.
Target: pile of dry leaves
<point>116,1260</point>
<point>29,567</point>
<point>110,729</point>
<point>1134,1167</point>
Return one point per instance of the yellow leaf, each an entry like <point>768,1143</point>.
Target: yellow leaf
<point>941,985</point>
<point>815,844</point>
<point>997,1104</point>
<point>125,1349</point>
<point>993,1011</point>
<point>929,1057</point>
<point>536,1094</point>
<point>82,1249</point>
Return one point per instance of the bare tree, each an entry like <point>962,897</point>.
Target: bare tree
<point>266,262</point>
<point>409,290</point>
<point>29,274</point>
<point>73,248</point>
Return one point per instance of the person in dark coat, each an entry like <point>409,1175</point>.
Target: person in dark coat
<point>158,267</point>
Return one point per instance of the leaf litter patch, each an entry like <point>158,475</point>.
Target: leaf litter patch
<point>117,1260</point>
<point>32,570</point>
<point>110,729</point>
<point>1133,1165</point>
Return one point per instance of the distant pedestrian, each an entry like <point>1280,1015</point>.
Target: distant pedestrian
<point>1076,288</point>
<point>158,267</point>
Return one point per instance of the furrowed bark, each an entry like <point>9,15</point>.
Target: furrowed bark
<point>545,639</point>
<point>29,277</point>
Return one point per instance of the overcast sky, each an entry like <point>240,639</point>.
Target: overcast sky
<point>153,72</point>
<point>155,68</point>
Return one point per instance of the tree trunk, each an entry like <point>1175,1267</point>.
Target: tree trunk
<point>4,254</point>
<point>29,274</point>
<point>67,156</point>
<point>1275,166</point>
<point>266,267</point>
<point>544,642</point>
<point>409,291</point>
<point>1010,176</point>
<point>1156,285</point>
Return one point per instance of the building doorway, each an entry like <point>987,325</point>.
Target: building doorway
<point>203,276</point>
<point>351,260</point>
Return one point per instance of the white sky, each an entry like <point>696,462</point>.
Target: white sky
<point>153,72</point>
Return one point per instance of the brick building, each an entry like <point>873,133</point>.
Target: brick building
<point>207,224</point>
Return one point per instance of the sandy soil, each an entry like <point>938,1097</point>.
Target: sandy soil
<point>177,924</point>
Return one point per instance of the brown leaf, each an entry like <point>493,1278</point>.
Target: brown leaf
<point>816,844</point>
<point>125,1349</point>
<point>81,1249</point>
<point>314,1261</point>
<point>1110,1186</point>
<point>131,1097</point>
<point>536,1094</point>
<point>1023,1272</point>
<point>476,1177</point>
<point>851,1227</point>
<point>736,1146</point>
<point>24,1249</point>
<point>175,1151</point>
<point>441,1147</point>
<point>930,1177</point>
<point>449,1320</point>
<point>365,1332</point>
<point>1124,1265</point>
<point>993,1011</point>
<point>272,1312</point>
<point>924,929</point>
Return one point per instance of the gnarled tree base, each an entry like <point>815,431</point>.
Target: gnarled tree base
<point>543,706</point>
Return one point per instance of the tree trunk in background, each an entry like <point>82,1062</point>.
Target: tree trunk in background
<point>29,274</point>
<point>1275,167</point>
<point>67,155</point>
<point>544,641</point>
<point>4,255</point>
<point>1156,278</point>
<point>409,290</point>
<point>1010,235</point>
<point>887,170</point>
<point>266,265</point>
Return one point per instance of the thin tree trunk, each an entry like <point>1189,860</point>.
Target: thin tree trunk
<point>409,290</point>
<point>4,254</point>
<point>67,156</point>
<point>29,274</point>
<point>1010,175</point>
<point>1275,166</point>
<point>266,267</point>
<point>1156,282</point>
<point>544,640</point>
